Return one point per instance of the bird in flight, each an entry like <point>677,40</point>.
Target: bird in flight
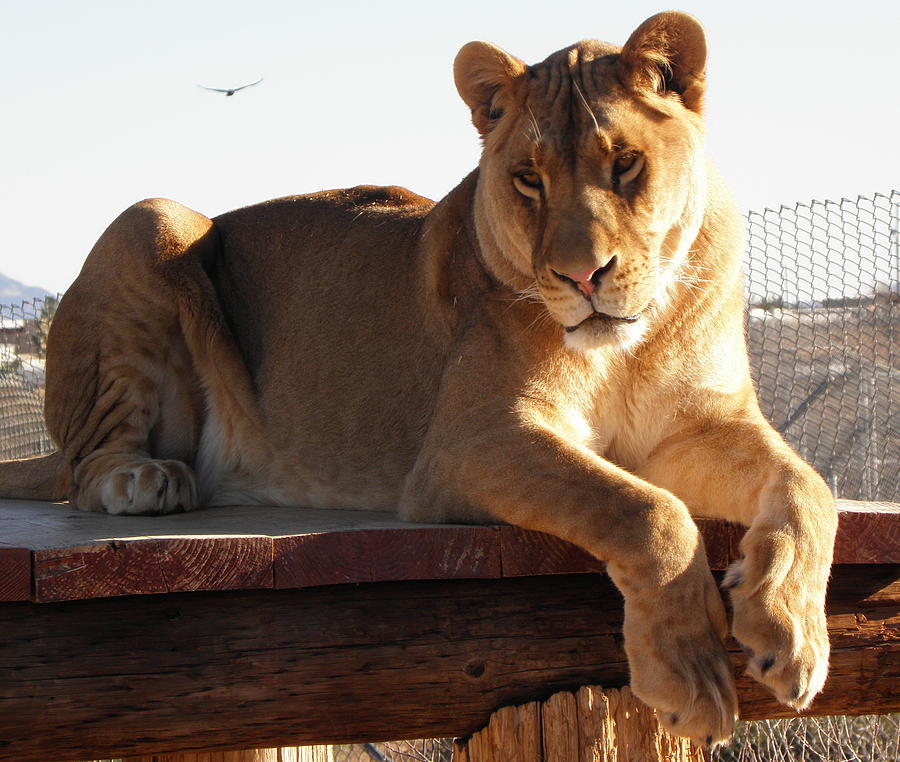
<point>230,90</point>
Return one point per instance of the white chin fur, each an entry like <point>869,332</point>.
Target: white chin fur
<point>621,336</point>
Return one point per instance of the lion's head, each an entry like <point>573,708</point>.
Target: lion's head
<point>592,181</point>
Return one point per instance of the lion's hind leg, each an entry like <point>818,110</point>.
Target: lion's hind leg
<point>124,399</point>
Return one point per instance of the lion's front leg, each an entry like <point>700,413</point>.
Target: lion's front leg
<point>528,475</point>
<point>743,471</point>
<point>778,587</point>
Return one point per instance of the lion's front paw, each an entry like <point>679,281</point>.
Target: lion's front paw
<point>135,485</point>
<point>678,662</point>
<point>779,620</point>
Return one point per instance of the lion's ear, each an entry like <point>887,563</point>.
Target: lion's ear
<point>667,53</point>
<point>482,71</point>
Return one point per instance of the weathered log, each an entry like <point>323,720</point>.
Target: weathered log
<point>343,663</point>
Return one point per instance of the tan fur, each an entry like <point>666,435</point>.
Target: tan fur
<point>366,348</point>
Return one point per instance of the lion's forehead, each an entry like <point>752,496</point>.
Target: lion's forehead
<point>576,98</point>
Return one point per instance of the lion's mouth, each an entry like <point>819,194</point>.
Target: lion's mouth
<point>601,318</point>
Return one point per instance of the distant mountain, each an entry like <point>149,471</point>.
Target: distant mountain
<point>13,292</point>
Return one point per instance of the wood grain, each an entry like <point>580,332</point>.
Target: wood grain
<point>528,554</point>
<point>868,538</point>
<point>387,555</point>
<point>213,671</point>
<point>595,731</point>
<point>559,728</point>
<point>598,724</point>
<point>15,574</point>
<point>158,565</point>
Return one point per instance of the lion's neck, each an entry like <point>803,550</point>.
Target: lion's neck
<point>461,209</point>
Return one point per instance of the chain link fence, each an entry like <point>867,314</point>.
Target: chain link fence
<point>23,341</point>
<point>823,285</point>
<point>824,292</point>
<point>423,750</point>
<point>868,738</point>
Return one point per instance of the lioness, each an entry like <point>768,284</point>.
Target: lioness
<point>557,344</point>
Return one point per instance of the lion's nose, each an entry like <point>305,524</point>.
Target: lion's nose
<point>586,281</point>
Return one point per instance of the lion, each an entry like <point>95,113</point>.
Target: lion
<point>557,344</point>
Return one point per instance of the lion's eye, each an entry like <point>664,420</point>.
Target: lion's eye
<point>626,167</point>
<point>529,184</point>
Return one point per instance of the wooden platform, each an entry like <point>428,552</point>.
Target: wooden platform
<point>50,552</point>
<point>254,627</point>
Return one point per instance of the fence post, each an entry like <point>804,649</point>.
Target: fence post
<point>593,725</point>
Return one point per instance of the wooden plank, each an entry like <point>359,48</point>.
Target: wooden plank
<point>527,554</point>
<point>513,733</point>
<point>231,670</point>
<point>49,526</point>
<point>79,555</point>
<point>15,574</point>
<point>866,506</point>
<point>159,565</point>
<point>560,726</point>
<point>595,730</point>
<point>868,538</point>
<point>387,555</point>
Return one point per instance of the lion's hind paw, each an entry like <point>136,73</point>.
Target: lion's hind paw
<point>123,484</point>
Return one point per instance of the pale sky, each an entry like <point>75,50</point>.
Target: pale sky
<point>100,104</point>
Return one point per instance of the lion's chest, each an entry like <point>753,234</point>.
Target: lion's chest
<point>626,424</point>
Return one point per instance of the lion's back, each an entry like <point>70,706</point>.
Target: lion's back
<point>315,258</point>
<point>337,207</point>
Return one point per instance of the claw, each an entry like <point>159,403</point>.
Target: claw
<point>734,577</point>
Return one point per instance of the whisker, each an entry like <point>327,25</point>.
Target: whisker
<point>538,137</point>
<point>542,319</point>
<point>586,106</point>
<point>531,295</point>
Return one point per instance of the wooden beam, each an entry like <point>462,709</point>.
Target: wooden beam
<point>212,671</point>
